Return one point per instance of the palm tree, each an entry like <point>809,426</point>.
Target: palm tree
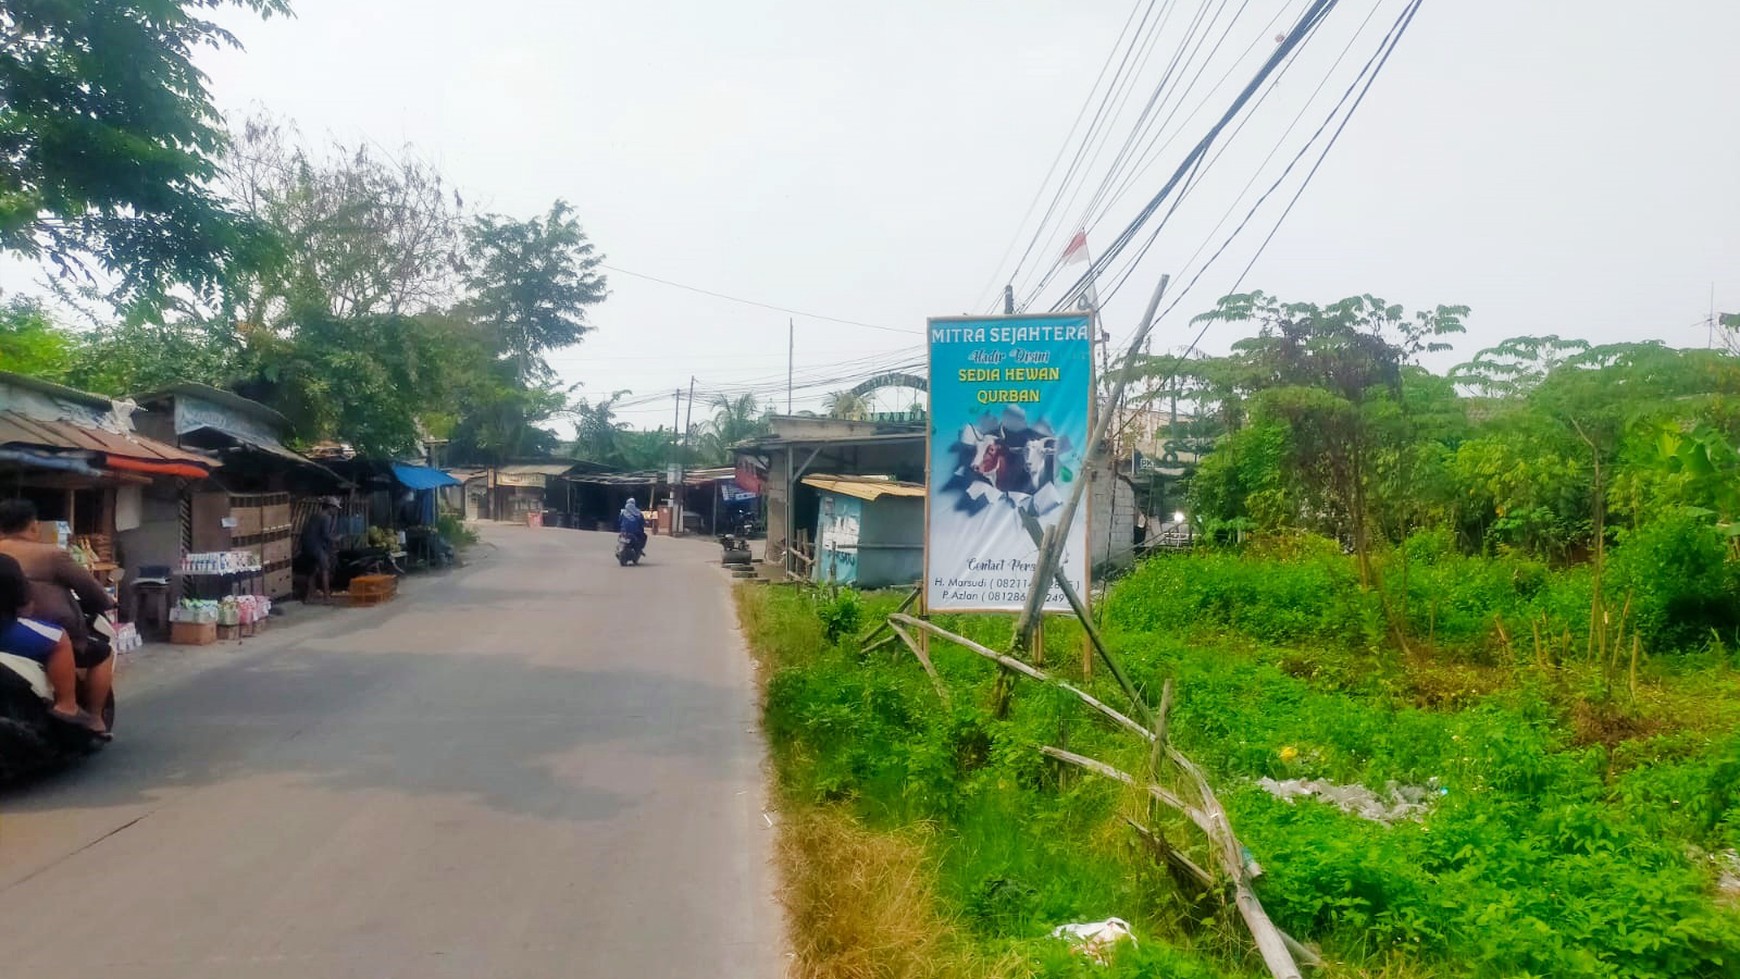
<point>847,404</point>
<point>734,420</point>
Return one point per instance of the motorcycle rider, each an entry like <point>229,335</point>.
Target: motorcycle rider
<point>54,580</point>
<point>23,636</point>
<point>632,522</point>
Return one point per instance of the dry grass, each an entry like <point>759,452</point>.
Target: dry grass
<point>859,905</point>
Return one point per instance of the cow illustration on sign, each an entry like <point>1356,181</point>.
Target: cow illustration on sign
<point>1004,459</point>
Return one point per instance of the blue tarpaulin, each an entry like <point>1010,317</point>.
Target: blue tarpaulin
<point>421,477</point>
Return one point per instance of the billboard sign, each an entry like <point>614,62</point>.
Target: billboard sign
<point>1010,398</point>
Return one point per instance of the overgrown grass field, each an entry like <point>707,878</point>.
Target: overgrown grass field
<point>1576,814</point>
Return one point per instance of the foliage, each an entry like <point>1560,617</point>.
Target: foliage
<point>31,343</point>
<point>531,282</point>
<point>454,531</point>
<point>109,141</point>
<point>840,612</point>
<point>847,404</point>
<point>734,420</point>
<point>356,233</point>
<point>139,356</point>
<point>1543,852</point>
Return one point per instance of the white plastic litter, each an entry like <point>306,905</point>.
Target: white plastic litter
<point>1095,939</point>
<point>1402,802</point>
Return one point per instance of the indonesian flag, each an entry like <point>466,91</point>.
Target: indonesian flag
<point>1077,251</point>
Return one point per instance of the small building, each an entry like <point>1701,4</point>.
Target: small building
<point>264,493</point>
<point>775,465</point>
<point>869,531</point>
<point>79,459</point>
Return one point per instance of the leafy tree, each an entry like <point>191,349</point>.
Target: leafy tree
<point>1332,376</point>
<point>31,343</point>
<point>109,142</point>
<point>532,281</point>
<point>135,356</point>
<point>355,233</point>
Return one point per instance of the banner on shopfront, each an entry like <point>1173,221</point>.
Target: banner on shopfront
<point>1010,398</point>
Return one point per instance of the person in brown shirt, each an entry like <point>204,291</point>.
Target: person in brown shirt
<point>54,578</point>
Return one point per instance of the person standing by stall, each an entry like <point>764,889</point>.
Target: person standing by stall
<point>320,547</point>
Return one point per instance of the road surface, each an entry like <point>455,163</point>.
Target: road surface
<point>539,765</point>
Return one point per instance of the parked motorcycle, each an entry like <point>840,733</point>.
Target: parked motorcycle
<point>628,549</point>
<point>31,738</point>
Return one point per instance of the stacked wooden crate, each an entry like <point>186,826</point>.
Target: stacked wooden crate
<point>263,527</point>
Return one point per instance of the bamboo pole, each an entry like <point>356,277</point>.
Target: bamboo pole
<point>1051,547</point>
<point>924,660</point>
<point>1212,820</point>
<point>905,604</point>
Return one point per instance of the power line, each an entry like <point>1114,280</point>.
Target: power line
<point>752,302</point>
<point>1062,148</point>
<point>1178,296</point>
<point>1315,13</point>
<point>1368,75</point>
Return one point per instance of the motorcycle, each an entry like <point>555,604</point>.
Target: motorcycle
<point>628,549</point>
<point>31,738</point>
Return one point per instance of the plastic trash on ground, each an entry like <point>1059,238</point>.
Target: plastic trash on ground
<point>1095,939</point>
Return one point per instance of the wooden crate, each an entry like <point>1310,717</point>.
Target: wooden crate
<point>275,517</point>
<point>193,633</point>
<point>373,589</point>
<point>279,583</point>
<point>275,551</point>
<point>247,521</point>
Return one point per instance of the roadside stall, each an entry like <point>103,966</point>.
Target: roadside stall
<point>90,475</point>
<point>253,506</point>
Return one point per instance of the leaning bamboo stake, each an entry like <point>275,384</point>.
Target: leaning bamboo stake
<point>1211,819</point>
<point>1051,548</point>
<point>905,604</point>
<point>923,659</point>
<point>1014,665</point>
<point>878,644</point>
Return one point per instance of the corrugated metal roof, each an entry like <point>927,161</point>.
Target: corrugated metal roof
<point>536,468</point>
<point>864,487</point>
<point>218,396</point>
<point>16,429</point>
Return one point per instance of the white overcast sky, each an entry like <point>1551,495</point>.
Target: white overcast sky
<point>1561,167</point>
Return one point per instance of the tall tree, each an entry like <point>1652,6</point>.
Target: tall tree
<point>532,281</point>
<point>355,232</point>
<point>109,141</point>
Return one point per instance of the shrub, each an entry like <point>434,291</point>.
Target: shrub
<point>1675,572</point>
<point>840,611</point>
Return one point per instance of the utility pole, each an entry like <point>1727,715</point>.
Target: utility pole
<point>676,418</point>
<point>1009,299</point>
<point>790,348</point>
<point>689,419</point>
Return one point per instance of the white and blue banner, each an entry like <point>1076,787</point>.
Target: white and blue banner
<point>1010,398</point>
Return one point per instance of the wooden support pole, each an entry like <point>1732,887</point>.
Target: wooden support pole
<point>905,604</point>
<point>1014,665</point>
<point>1051,547</point>
<point>923,656</point>
<point>1211,819</point>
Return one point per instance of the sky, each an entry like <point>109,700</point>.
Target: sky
<point>1559,167</point>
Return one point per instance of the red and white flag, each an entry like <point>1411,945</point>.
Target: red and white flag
<point>1077,251</point>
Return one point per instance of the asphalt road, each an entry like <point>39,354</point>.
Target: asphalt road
<point>539,765</point>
